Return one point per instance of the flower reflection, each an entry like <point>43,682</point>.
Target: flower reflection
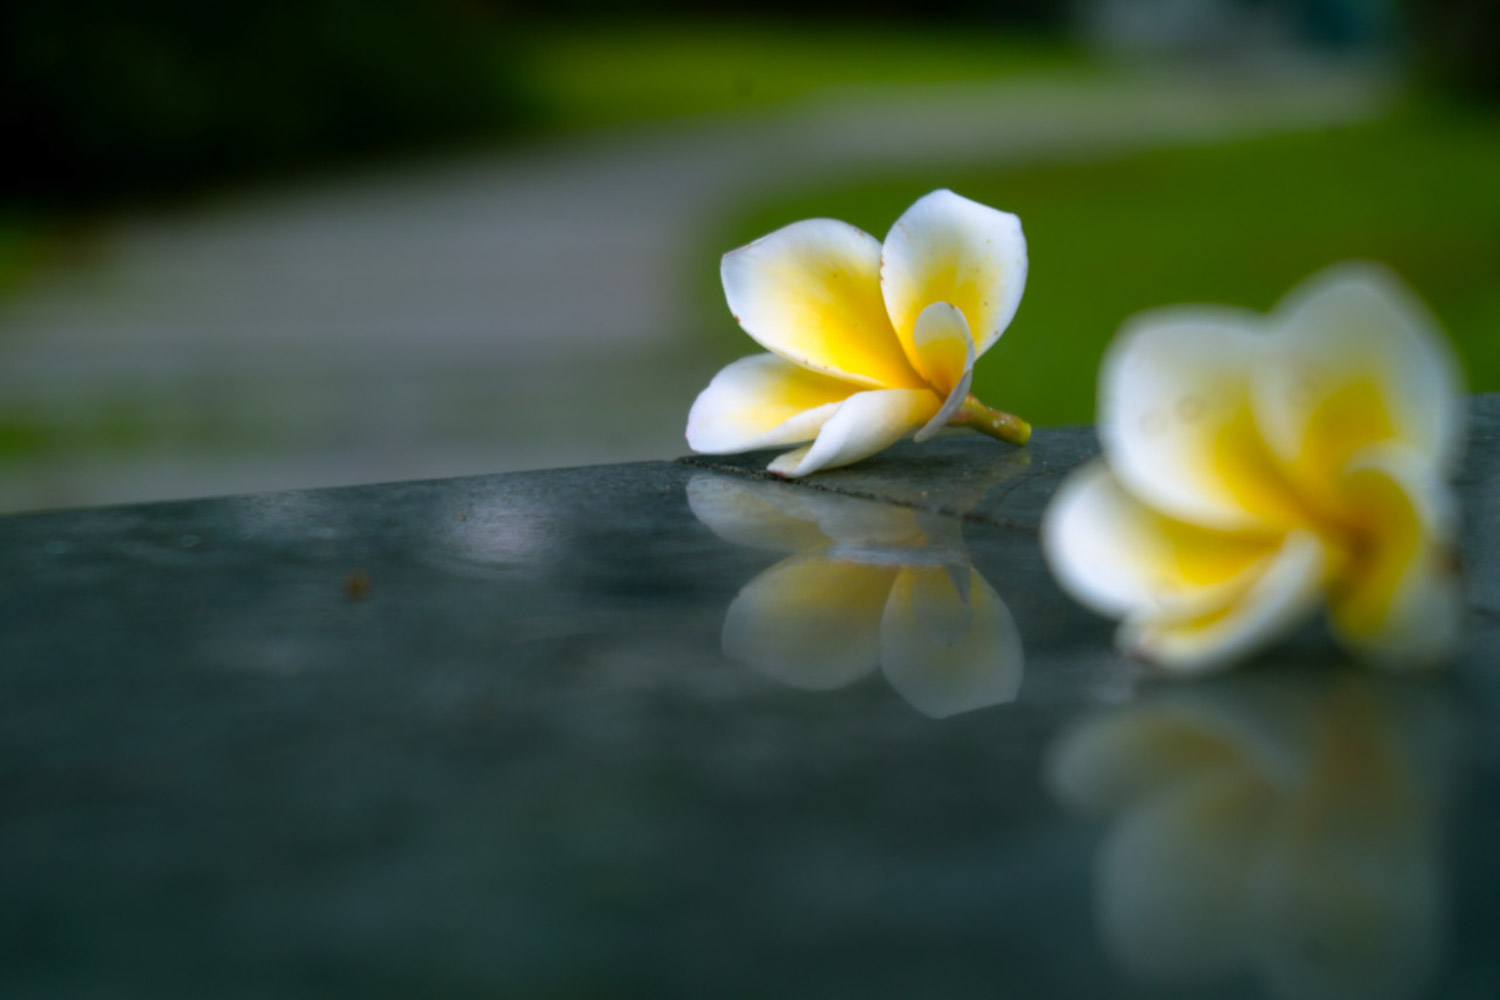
<point>868,585</point>
<point>1285,825</point>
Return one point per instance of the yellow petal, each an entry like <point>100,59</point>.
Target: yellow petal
<point>944,348</point>
<point>946,652</point>
<point>1400,603</point>
<point>945,357</point>
<point>810,622</point>
<point>810,292</point>
<point>1358,363</point>
<point>1236,622</point>
<point>1120,557</point>
<point>762,402</point>
<point>1176,420</point>
<point>865,423</point>
<point>946,248</point>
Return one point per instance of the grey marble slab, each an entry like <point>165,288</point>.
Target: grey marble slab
<point>960,474</point>
<point>678,730</point>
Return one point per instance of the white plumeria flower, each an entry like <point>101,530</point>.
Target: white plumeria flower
<point>1257,468</point>
<point>1289,826</point>
<point>866,586</point>
<point>870,343</point>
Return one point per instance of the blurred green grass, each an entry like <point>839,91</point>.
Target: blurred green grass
<point>23,246</point>
<point>1239,223</point>
<point>576,78</point>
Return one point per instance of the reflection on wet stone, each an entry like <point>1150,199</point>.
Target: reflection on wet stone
<point>866,585</point>
<point>512,759</point>
<point>1287,824</point>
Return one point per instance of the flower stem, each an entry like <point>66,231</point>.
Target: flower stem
<point>1005,426</point>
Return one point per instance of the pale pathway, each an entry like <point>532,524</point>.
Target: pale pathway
<point>523,309</point>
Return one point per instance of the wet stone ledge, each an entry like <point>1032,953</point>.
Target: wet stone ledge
<point>652,730</point>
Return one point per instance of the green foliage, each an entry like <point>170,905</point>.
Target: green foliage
<point>1237,224</point>
<point>23,245</point>
<point>605,76</point>
<point>101,99</point>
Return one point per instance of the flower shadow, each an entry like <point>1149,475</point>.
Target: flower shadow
<point>864,586</point>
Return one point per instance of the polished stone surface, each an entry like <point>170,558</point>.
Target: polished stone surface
<point>675,729</point>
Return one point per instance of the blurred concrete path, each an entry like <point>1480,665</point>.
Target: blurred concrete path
<point>523,309</point>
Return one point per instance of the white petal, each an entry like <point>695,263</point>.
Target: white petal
<point>1402,604</point>
<point>946,654</point>
<point>945,357</point>
<point>762,402</point>
<point>810,621</point>
<point>1176,420</point>
<point>1120,557</point>
<point>1362,363</point>
<point>946,248</point>
<point>864,424</point>
<point>810,292</point>
<point>786,464</point>
<point>1215,636</point>
<point>947,410</point>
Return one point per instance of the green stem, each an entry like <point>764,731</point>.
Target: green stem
<point>1005,426</point>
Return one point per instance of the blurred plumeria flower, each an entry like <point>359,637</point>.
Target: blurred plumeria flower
<point>1256,468</point>
<point>868,585</point>
<point>869,343</point>
<point>1286,825</point>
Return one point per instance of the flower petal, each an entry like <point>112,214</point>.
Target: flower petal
<point>944,346</point>
<point>946,248</point>
<point>810,292</point>
<point>864,423</point>
<point>947,410</point>
<point>1176,420</point>
<point>1361,363</point>
<point>762,402</point>
<point>1403,606</point>
<point>945,357</point>
<point>810,622</point>
<point>1119,557</point>
<point>1218,634</point>
<point>947,652</point>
